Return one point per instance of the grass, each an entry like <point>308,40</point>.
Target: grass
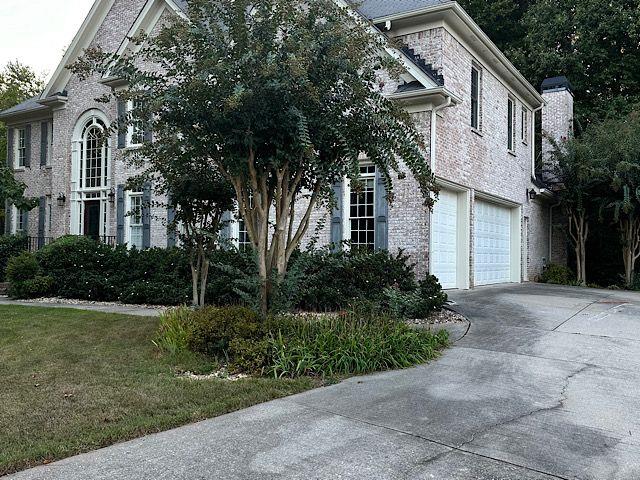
<point>74,381</point>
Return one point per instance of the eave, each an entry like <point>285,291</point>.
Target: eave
<point>454,16</point>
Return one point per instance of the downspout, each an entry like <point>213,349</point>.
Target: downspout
<point>551,208</point>
<point>432,144</point>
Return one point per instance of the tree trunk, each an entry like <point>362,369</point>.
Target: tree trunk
<point>204,276</point>
<point>578,233</point>
<point>630,230</point>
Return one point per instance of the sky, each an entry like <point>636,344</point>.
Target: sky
<point>37,32</point>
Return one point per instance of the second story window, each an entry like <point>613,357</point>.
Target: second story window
<point>475,98</point>
<point>135,133</point>
<point>524,128</point>
<point>21,147</point>
<point>511,124</point>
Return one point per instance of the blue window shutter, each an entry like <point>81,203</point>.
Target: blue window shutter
<point>122,130</point>
<point>44,143</point>
<point>10,151</point>
<point>146,215</point>
<point>171,228</point>
<point>382,214</point>
<point>336,217</point>
<point>120,215</point>
<point>27,144</point>
<point>42,212</point>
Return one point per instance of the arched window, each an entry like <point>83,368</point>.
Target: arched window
<point>93,155</point>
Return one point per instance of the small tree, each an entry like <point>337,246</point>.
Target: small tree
<point>615,144</point>
<point>196,191</point>
<point>575,176</point>
<point>283,98</point>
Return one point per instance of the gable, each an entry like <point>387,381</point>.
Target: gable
<point>81,41</point>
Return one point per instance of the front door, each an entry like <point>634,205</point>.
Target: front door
<point>92,219</point>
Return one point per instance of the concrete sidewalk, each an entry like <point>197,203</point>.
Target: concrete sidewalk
<point>545,385</point>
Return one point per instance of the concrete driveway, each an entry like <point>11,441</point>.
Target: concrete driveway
<point>545,385</point>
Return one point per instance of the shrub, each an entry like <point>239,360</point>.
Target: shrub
<point>83,268</point>
<point>213,329</point>
<point>25,277</point>
<point>558,275</point>
<point>173,334</point>
<point>334,345</point>
<point>10,246</point>
<point>635,285</point>
<point>333,281</point>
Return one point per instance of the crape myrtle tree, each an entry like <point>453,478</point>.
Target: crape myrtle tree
<point>575,175</point>
<point>195,191</point>
<point>615,144</point>
<point>283,98</point>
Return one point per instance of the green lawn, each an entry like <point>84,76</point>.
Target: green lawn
<point>74,381</point>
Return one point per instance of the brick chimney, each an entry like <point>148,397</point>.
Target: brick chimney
<point>557,115</point>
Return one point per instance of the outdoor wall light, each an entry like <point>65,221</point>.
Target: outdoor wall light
<point>532,194</point>
<point>61,200</point>
<point>112,196</point>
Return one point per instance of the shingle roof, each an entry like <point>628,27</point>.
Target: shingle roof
<point>381,8</point>
<point>26,106</point>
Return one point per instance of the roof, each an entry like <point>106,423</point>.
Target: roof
<point>382,8</point>
<point>555,83</point>
<point>24,107</point>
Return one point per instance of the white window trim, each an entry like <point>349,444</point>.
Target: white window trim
<point>478,69</point>
<point>48,160</point>
<point>346,220</point>
<point>127,219</point>
<point>131,130</point>
<point>16,148</point>
<point>512,119</point>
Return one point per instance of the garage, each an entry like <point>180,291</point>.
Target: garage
<point>494,243</point>
<point>444,241</point>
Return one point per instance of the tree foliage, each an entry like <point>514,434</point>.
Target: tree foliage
<point>282,97</point>
<point>595,44</point>
<point>17,84</point>
<point>615,146</point>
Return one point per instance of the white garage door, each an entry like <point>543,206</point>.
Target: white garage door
<point>444,264</point>
<point>492,244</point>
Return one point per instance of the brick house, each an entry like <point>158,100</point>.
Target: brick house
<point>494,221</point>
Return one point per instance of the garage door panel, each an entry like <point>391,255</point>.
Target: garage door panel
<point>444,229</point>
<point>492,244</point>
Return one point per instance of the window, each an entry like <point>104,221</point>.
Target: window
<point>21,147</point>
<point>524,128</point>
<point>475,98</point>
<point>244,242</point>
<point>22,221</point>
<point>93,155</point>
<point>135,132</point>
<point>50,144</point>
<point>511,124</point>
<point>362,209</point>
<point>135,221</point>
